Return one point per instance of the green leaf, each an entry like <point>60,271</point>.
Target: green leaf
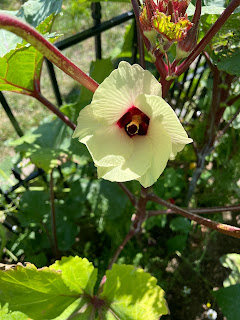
<point>47,145</point>
<point>100,69</point>
<point>177,243</point>
<point>41,294</point>
<point>5,173</point>
<point>209,9</point>
<point>33,12</point>
<point>8,40</point>
<point>228,301</point>
<point>103,1</point>
<point>20,68</point>
<point>47,158</point>
<point>6,315</point>
<point>180,224</point>
<point>66,231</point>
<point>132,294</point>
<point>86,310</point>
<point>34,206</point>
<point>228,61</point>
<point>36,11</point>
<point>78,274</point>
<point>231,261</point>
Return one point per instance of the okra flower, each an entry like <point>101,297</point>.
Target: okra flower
<point>129,130</point>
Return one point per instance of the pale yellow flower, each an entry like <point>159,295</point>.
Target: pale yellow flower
<point>129,130</point>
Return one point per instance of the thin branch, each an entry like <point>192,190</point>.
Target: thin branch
<point>141,49</point>
<point>128,237</point>
<point>55,110</point>
<point>114,314</point>
<point>233,100</point>
<point>223,228</point>
<point>137,220</point>
<point>209,135</point>
<point>209,62</point>
<point>53,216</point>
<point>128,193</point>
<point>32,36</point>
<point>224,130</point>
<point>152,213</point>
<point>208,37</point>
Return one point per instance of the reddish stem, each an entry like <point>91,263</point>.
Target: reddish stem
<point>32,36</point>
<point>223,228</point>
<point>55,110</point>
<point>128,237</point>
<point>161,66</point>
<point>224,130</point>
<point>165,86</point>
<point>211,210</point>
<point>137,220</point>
<point>208,37</point>
<point>128,193</point>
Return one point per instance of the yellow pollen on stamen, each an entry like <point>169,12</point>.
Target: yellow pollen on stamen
<point>136,120</point>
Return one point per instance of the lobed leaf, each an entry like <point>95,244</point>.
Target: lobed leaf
<point>228,61</point>
<point>33,12</point>
<point>5,315</point>
<point>20,68</point>
<point>231,261</point>
<point>228,301</point>
<point>132,294</point>
<point>41,294</point>
<point>78,274</point>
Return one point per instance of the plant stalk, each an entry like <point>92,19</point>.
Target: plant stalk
<point>220,227</point>
<point>32,36</point>
<point>211,210</point>
<point>208,37</point>
<point>55,110</point>
<point>53,216</point>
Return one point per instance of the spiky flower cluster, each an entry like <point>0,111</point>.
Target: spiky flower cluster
<point>164,22</point>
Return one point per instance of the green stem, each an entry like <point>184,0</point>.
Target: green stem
<point>30,35</point>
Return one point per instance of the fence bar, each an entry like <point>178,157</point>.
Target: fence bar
<point>54,83</point>
<point>134,43</point>
<point>10,115</point>
<point>81,36</point>
<point>96,15</point>
<point>24,182</point>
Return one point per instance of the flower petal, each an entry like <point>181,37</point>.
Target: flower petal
<point>135,166</point>
<point>117,93</point>
<point>87,124</point>
<point>108,144</point>
<point>116,174</point>
<point>176,147</point>
<point>160,108</point>
<point>162,148</point>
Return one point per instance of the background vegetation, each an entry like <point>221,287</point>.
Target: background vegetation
<point>190,261</point>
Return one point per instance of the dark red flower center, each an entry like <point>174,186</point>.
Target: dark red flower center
<point>134,121</point>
